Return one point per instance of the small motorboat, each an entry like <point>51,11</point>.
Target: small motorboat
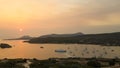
<point>61,51</point>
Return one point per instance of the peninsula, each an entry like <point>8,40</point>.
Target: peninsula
<point>108,39</point>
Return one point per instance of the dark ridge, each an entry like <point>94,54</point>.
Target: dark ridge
<point>109,39</point>
<point>26,37</point>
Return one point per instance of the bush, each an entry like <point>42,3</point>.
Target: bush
<point>112,62</point>
<point>94,63</point>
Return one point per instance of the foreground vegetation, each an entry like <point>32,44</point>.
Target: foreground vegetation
<point>108,39</point>
<point>60,63</point>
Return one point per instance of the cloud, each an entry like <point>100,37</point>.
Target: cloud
<point>84,15</point>
<point>93,12</point>
<point>57,16</point>
<point>101,10</point>
<point>87,16</point>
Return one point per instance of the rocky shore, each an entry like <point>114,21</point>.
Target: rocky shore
<point>61,63</point>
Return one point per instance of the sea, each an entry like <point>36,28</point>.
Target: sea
<point>26,50</point>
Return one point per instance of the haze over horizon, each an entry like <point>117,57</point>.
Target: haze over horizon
<point>40,17</point>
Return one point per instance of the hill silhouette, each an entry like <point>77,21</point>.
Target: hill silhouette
<point>26,37</point>
<point>108,39</point>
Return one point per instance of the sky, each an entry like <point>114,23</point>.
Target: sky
<point>40,17</point>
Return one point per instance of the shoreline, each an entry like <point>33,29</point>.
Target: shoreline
<point>61,62</point>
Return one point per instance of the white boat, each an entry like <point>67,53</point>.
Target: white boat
<point>60,51</point>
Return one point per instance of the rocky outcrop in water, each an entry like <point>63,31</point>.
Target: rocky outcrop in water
<point>4,45</point>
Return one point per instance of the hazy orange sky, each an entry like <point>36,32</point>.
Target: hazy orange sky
<point>39,17</point>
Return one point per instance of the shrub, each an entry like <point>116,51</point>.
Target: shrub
<point>94,63</point>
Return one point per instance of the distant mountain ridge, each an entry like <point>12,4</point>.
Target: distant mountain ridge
<point>109,39</point>
<point>62,35</point>
<point>26,37</point>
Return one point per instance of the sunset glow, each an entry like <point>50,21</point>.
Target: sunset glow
<point>36,32</point>
<point>39,17</point>
<point>20,29</point>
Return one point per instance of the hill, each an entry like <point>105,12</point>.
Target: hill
<point>26,37</point>
<point>62,35</point>
<point>109,39</point>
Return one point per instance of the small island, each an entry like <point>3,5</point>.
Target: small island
<point>4,45</point>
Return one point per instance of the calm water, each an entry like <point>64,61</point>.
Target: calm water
<point>26,50</point>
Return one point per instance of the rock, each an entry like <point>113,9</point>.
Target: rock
<point>4,45</point>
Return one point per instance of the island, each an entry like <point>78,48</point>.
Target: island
<point>26,37</point>
<point>4,45</point>
<point>107,39</point>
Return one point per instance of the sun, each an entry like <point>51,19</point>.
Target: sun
<point>20,29</point>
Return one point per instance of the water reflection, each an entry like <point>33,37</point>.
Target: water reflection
<point>94,51</point>
<point>26,50</point>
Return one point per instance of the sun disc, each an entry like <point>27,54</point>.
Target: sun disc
<point>20,29</point>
